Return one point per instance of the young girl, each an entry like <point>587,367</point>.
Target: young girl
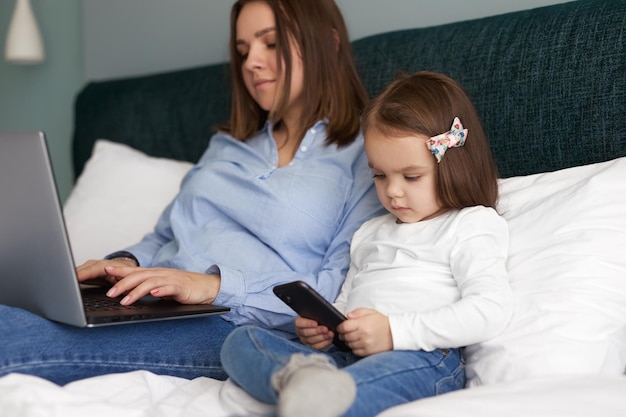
<point>425,279</point>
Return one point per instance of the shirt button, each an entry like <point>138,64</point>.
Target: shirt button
<point>313,131</point>
<point>303,148</point>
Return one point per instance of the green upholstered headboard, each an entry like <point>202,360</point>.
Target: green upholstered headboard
<point>167,115</point>
<point>549,83</point>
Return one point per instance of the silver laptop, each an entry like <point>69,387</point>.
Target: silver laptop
<point>37,271</point>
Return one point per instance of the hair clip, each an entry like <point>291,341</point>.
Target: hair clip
<point>455,138</point>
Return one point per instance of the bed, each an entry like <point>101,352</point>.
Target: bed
<point>550,85</point>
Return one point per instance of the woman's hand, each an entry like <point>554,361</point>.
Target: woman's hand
<point>366,332</point>
<point>135,282</point>
<point>312,334</point>
<point>173,284</point>
<point>94,271</point>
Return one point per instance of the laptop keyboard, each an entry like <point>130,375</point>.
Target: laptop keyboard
<point>106,304</point>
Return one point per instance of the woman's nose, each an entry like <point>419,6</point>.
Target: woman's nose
<point>254,59</point>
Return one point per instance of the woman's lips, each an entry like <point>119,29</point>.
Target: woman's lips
<point>261,83</point>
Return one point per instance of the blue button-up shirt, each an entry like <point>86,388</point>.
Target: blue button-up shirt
<point>257,225</point>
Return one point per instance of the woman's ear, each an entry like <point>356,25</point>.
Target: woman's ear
<point>337,40</point>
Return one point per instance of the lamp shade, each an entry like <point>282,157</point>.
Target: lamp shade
<point>23,42</point>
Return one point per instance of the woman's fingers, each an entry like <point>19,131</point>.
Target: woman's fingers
<point>182,286</point>
<point>93,270</point>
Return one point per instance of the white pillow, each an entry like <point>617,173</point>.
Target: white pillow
<point>118,198</point>
<point>567,267</point>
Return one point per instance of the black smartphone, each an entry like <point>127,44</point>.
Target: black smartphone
<point>309,304</point>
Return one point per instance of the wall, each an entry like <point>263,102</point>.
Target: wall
<point>40,97</point>
<point>131,37</point>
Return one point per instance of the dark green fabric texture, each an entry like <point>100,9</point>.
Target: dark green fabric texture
<point>167,115</point>
<point>549,84</point>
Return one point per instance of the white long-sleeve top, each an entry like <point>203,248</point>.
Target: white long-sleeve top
<point>441,282</point>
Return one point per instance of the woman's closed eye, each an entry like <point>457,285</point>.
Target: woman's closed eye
<point>243,53</point>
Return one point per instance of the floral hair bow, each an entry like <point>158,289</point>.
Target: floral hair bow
<point>455,138</point>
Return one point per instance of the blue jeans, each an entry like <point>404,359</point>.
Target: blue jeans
<point>185,348</point>
<point>250,355</point>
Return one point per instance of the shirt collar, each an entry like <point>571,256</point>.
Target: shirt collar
<point>269,125</point>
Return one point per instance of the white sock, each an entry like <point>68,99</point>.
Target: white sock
<point>310,386</point>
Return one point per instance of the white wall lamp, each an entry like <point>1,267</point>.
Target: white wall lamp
<point>23,43</point>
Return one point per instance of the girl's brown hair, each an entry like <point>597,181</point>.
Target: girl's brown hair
<point>332,88</point>
<point>426,103</point>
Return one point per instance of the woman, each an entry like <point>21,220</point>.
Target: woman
<point>275,198</point>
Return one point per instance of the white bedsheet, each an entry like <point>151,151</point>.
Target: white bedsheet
<point>562,396</point>
<point>133,394</point>
<point>143,394</point>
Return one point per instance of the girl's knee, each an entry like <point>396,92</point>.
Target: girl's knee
<point>236,340</point>
<point>237,336</point>
<point>246,342</point>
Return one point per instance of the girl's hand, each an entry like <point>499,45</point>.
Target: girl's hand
<point>182,286</point>
<point>366,332</point>
<point>312,334</point>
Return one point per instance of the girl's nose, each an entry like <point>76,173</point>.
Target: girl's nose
<point>394,190</point>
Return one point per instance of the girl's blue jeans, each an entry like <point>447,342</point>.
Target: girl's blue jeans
<point>185,348</point>
<point>250,355</point>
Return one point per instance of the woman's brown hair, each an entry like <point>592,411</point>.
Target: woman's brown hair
<point>332,87</point>
<point>426,103</point>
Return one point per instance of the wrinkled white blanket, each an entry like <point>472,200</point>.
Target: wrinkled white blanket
<point>133,394</point>
<point>143,394</point>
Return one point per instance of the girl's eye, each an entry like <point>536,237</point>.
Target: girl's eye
<point>411,179</point>
<point>378,176</point>
<point>271,45</point>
